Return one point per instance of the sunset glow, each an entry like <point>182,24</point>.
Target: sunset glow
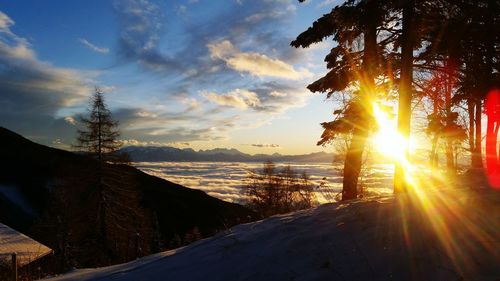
<point>386,140</point>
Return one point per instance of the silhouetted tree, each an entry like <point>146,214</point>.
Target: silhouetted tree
<point>443,121</point>
<point>355,62</point>
<point>100,134</point>
<point>116,201</point>
<point>273,192</point>
<point>464,42</point>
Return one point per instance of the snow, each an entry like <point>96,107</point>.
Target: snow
<point>446,235</point>
<point>27,249</point>
<point>14,195</point>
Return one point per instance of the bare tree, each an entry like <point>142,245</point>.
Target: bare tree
<point>272,191</point>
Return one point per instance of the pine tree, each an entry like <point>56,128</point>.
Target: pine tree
<point>355,62</point>
<point>99,137</point>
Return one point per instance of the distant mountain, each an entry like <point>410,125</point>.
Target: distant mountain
<point>172,154</point>
<point>52,195</point>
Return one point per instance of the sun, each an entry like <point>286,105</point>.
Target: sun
<point>386,140</point>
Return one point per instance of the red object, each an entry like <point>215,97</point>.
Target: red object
<point>492,157</point>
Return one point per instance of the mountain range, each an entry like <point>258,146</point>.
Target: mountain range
<point>172,154</point>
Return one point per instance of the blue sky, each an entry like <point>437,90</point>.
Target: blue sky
<point>186,73</point>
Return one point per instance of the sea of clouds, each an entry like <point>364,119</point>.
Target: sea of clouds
<point>226,180</point>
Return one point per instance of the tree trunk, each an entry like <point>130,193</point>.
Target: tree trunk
<point>352,164</point>
<point>476,157</point>
<point>450,164</point>
<point>472,143</point>
<point>405,90</point>
<point>354,155</point>
<point>434,154</point>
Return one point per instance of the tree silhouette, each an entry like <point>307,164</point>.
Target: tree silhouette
<point>464,34</point>
<point>99,138</point>
<point>356,61</point>
<point>100,133</point>
<point>405,87</point>
<point>272,191</point>
<point>442,122</point>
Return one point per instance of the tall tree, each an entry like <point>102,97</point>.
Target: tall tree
<point>100,134</point>
<point>405,88</point>
<point>99,138</point>
<point>354,62</point>
<point>467,34</point>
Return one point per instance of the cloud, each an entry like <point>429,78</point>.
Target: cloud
<point>264,145</point>
<point>93,47</point>
<point>277,94</point>
<point>33,91</point>
<point>70,120</point>
<point>134,142</point>
<point>271,98</point>
<point>253,63</point>
<point>181,9</point>
<point>163,126</point>
<point>237,98</point>
<point>330,3</point>
<point>272,14</point>
<point>140,30</point>
<point>5,23</point>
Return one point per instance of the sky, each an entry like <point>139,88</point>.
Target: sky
<point>185,73</point>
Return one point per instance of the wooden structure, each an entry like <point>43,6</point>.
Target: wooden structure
<point>19,250</point>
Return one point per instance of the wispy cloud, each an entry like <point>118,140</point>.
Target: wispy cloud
<point>237,98</point>
<point>134,142</point>
<point>271,14</point>
<point>33,91</point>
<point>264,145</point>
<point>331,3</point>
<point>181,9</point>
<point>70,120</point>
<point>254,63</point>
<point>92,46</point>
<point>141,28</point>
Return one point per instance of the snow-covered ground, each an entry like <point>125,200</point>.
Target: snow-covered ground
<point>444,235</point>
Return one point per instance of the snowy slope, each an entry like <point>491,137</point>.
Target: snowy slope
<point>439,237</point>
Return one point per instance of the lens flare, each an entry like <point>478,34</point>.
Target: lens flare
<point>387,141</point>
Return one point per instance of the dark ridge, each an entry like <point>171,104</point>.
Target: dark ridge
<point>146,214</point>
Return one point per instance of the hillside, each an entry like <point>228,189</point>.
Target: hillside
<point>50,195</point>
<point>450,234</point>
<point>158,154</point>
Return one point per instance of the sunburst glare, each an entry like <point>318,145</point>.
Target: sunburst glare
<point>387,141</point>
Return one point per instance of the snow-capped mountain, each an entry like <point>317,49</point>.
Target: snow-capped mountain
<point>158,154</point>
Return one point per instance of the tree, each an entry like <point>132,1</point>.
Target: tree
<point>273,192</point>
<point>465,35</point>
<point>355,62</point>
<point>100,133</point>
<point>405,88</point>
<point>99,138</point>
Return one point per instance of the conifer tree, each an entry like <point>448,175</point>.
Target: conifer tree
<point>100,133</point>
<point>355,62</point>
